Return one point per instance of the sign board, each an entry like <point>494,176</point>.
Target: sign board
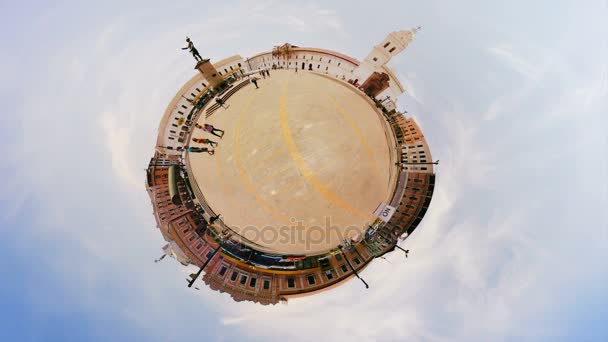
<point>384,212</point>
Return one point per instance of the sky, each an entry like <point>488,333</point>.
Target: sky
<point>512,98</point>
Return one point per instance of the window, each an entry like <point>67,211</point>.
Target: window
<point>243,279</point>
<point>343,267</point>
<point>174,125</point>
<point>375,59</point>
<point>318,66</point>
<point>266,284</point>
<point>239,65</point>
<point>423,168</point>
<point>291,282</point>
<point>329,275</point>
<point>200,244</point>
<point>326,68</point>
<point>252,282</point>
<point>387,44</point>
<point>220,73</point>
<point>391,50</point>
<point>234,275</point>
<point>185,230</point>
<point>209,254</point>
<point>339,64</point>
<point>231,68</point>
<point>357,261</point>
<point>198,90</point>
<point>203,84</point>
<point>192,238</point>
<point>311,279</point>
<point>225,70</point>
<point>339,257</point>
<point>223,270</point>
<point>184,108</point>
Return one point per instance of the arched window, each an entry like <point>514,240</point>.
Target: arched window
<point>387,44</point>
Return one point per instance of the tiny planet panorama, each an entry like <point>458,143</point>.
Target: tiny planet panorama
<point>286,173</point>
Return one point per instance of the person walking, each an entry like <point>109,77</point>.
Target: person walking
<point>210,129</point>
<point>199,150</point>
<point>204,141</point>
<point>255,82</point>
<point>262,73</point>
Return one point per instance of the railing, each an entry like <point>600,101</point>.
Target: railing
<point>226,96</point>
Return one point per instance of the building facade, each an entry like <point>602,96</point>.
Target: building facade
<point>192,230</point>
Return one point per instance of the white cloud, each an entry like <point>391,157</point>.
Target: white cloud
<point>516,62</point>
<point>482,264</point>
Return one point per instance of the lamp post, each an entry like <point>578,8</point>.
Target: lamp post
<point>406,251</point>
<point>352,268</point>
<point>203,267</point>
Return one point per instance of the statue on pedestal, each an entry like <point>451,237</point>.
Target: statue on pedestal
<point>193,50</point>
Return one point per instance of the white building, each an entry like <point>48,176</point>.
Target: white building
<point>331,63</point>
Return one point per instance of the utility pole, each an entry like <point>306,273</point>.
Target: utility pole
<point>203,267</point>
<point>352,268</point>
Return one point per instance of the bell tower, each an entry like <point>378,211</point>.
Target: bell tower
<point>394,43</point>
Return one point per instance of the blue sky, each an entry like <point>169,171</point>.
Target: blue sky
<point>512,97</point>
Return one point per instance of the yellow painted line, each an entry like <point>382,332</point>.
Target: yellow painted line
<point>262,142</point>
<point>289,186</point>
<point>355,128</point>
<point>264,179</point>
<point>243,173</point>
<point>276,153</point>
<point>304,169</point>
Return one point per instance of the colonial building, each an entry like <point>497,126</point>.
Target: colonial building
<point>191,227</point>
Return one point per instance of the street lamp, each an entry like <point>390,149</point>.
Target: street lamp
<point>406,251</point>
<point>202,268</point>
<point>352,268</point>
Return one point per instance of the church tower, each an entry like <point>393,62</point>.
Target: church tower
<point>382,53</point>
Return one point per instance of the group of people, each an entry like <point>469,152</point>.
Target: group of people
<point>264,73</point>
<point>209,129</point>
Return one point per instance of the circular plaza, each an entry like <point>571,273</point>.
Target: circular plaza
<point>302,163</point>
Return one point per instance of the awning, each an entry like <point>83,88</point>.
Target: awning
<point>173,190</point>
